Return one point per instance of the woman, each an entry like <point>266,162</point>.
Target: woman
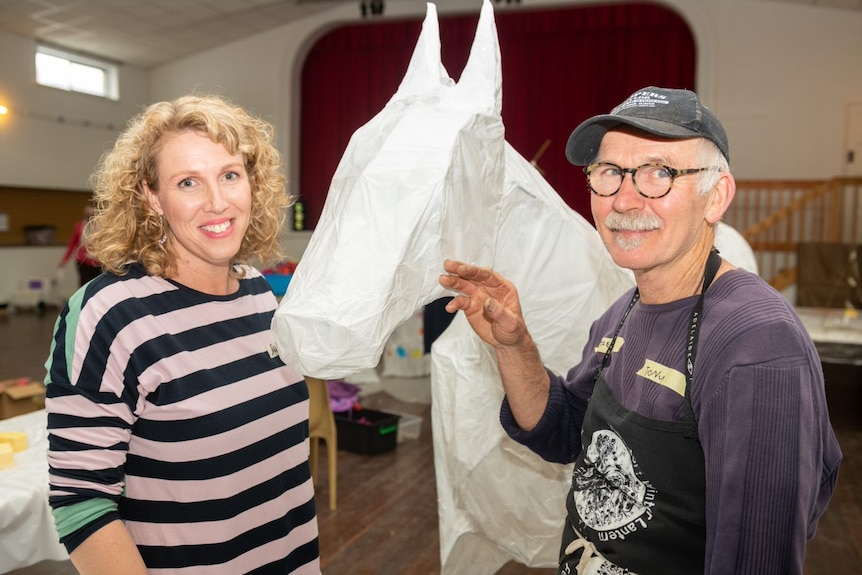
<point>178,438</point>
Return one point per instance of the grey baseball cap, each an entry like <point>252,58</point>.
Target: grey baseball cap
<point>664,112</point>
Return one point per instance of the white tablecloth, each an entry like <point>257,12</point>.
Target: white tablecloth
<point>837,333</point>
<point>832,325</point>
<point>27,533</point>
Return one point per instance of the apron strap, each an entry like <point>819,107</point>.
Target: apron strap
<point>589,551</point>
<point>712,265</point>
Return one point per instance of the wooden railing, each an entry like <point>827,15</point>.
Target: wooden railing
<point>776,215</point>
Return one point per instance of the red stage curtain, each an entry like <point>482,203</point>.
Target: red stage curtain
<point>560,66</point>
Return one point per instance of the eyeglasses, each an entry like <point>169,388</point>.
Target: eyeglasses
<point>650,180</point>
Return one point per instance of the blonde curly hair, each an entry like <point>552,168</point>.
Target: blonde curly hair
<point>126,229</point>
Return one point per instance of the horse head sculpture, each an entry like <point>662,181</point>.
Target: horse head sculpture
<point>420,182</point>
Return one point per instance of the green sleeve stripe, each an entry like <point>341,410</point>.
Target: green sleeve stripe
<point>72,316</point>
<point>70,518</point>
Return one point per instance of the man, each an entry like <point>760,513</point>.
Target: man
<point>697,417</point>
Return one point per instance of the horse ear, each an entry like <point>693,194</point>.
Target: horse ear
<point>482,75</point>
<point>425,73</point>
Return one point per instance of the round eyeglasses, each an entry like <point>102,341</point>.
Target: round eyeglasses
<point>650,180</point>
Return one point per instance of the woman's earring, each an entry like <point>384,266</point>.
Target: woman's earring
<point>164,237</point>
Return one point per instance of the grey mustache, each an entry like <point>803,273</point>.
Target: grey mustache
<point>632,222</point>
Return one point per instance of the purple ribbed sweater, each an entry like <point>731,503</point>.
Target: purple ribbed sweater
<point>758,395</point>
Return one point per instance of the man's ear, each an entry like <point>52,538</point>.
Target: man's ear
<point>152,198</point>
<point>720,198</point>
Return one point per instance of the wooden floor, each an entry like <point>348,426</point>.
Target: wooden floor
<point>386,519</point>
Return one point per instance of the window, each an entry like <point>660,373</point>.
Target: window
<point>67,71</point>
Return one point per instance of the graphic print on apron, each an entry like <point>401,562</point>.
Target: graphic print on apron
<point>609,496</point>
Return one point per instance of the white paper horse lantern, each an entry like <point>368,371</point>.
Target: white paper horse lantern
<point>418,183</point>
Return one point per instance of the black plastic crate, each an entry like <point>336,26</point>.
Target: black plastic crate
<point>366,431</point>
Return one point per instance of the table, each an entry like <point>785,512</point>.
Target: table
<point>27,533</point>
<point>837,333</point>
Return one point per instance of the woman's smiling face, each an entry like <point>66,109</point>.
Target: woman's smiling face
<point>204,194</point>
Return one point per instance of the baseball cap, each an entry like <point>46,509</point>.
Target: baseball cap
<point>666,112</point>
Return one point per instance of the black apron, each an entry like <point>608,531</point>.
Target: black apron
<point>638,494</point>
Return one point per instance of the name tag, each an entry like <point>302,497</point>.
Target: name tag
<point>663,375</point>
<point>606,343</point>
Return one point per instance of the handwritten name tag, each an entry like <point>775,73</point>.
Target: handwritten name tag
<point>663,375</point>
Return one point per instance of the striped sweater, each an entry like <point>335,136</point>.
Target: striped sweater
<point>169,409</point>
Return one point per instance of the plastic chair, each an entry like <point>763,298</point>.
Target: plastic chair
<point>321,425</point>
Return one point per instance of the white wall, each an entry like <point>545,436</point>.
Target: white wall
<point>779,75</point>
<point>36,263</point>
<point>39,151</point>
<point>782,91</point>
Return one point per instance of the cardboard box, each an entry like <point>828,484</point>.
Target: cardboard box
<point>366,431</point>
<point>20,396</point>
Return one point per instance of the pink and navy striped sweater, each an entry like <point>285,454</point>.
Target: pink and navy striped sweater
<point>169,409</point>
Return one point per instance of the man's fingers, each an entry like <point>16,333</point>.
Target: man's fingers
<point>458,303</point>
<point>470,272</point>
<point>451,265</point>
<point>457,283</point>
